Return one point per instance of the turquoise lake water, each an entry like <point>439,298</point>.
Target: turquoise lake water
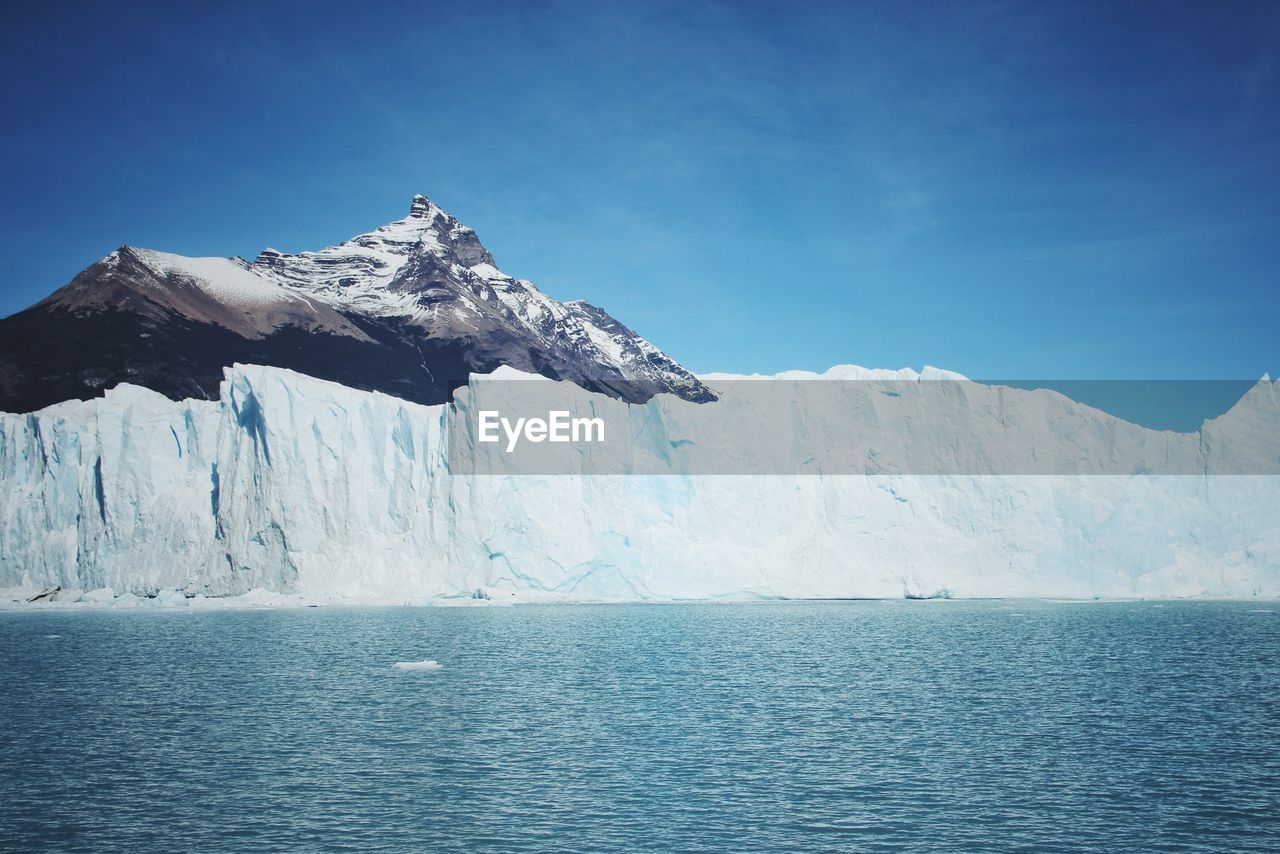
<point>797,726</point>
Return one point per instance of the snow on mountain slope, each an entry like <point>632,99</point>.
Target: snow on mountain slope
<point>431,271</point>
<point>230,280</point>
<point>361,270</point>
<point>225,292</point>
<point>410,309</point>
<point>309,488</point>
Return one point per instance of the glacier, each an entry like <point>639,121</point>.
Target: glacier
<point>292,489</point>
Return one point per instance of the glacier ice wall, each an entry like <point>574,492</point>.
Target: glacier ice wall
<point>301,486</point>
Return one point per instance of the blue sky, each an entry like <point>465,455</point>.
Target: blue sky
<point>1009,190</point>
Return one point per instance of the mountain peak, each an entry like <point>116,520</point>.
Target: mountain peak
<point>410,308</point>
<point>423,208</point>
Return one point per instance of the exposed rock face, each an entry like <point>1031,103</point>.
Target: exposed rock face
<point>409,309</point>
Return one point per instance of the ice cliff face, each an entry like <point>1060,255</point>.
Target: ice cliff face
<point>302,486</point>
<point>410,309</point>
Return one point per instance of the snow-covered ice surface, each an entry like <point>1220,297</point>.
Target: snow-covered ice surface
<point>842,372</point>
<point>291,491</point>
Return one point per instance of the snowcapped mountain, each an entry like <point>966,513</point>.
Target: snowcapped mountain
<point>410,309</point>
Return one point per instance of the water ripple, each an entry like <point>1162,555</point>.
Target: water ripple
<point>810,726</point>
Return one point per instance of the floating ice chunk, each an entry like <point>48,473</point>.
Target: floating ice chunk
<point>171,599</point>
<point>425,664</point>
<point>101,595</point>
